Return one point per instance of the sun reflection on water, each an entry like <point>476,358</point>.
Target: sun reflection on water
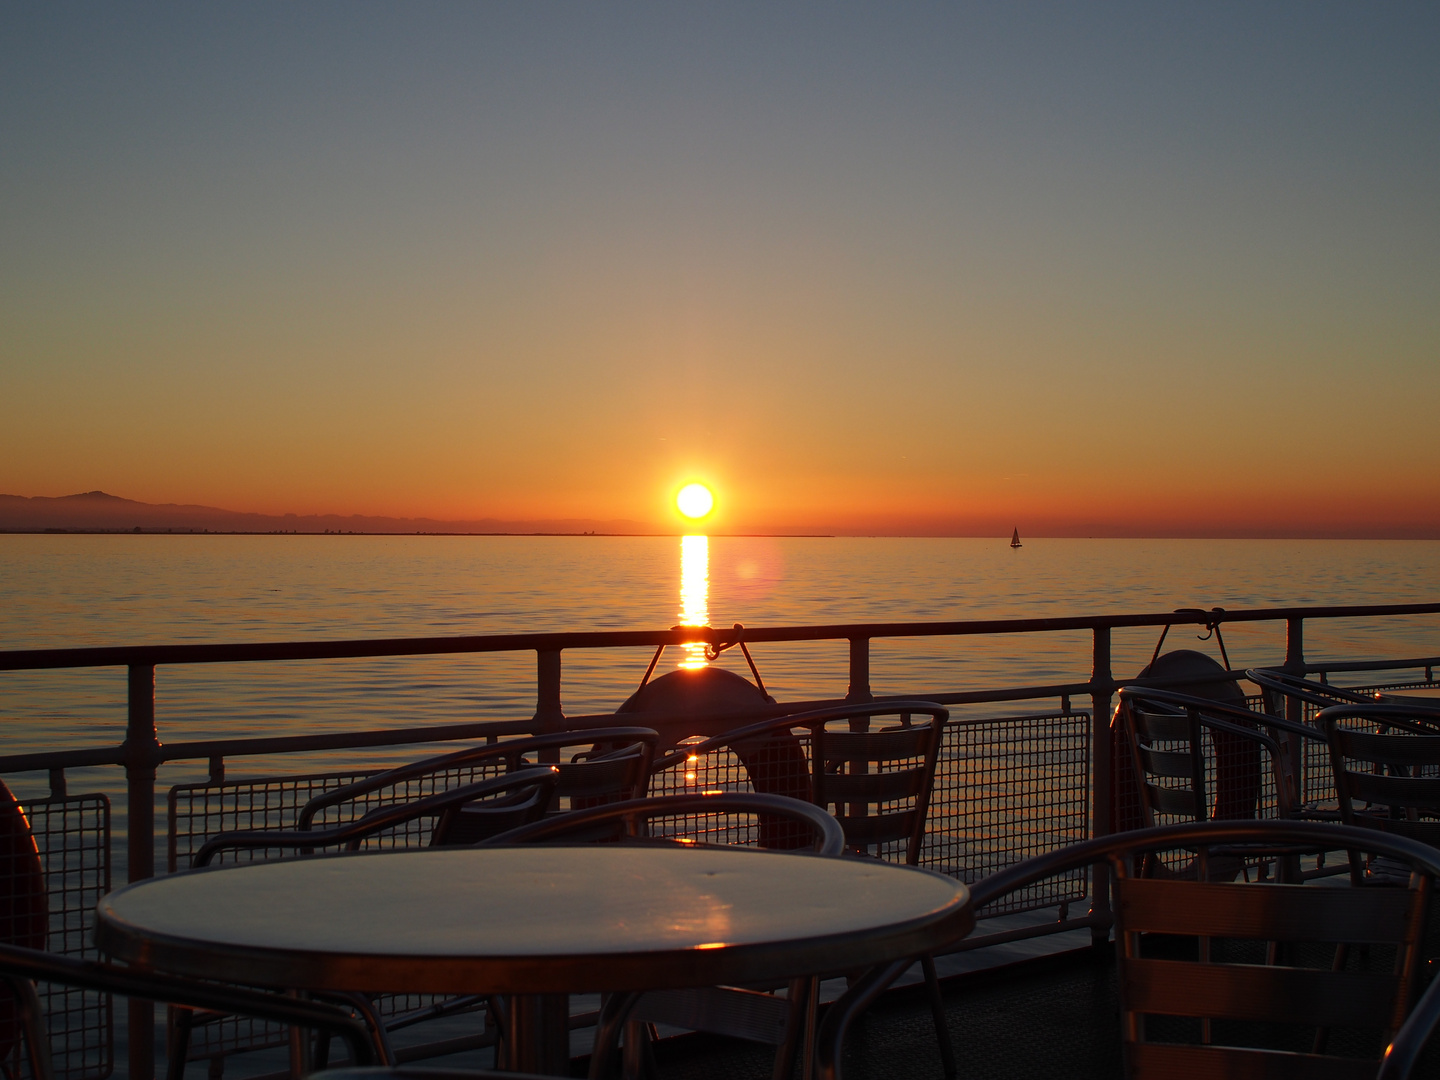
<point>694,595</point>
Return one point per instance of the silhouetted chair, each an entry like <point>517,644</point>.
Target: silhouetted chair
<point>1214,1006</point>
<point>878,783</point>
<point>19,966</point>
<point>23,932</point>
<point>597,766</point>
<point>714,819</point>
<point>1167,735</point>
<point>501,803</point>
<point>1386,777</point>
<point>591,767</point>
<point>1277,685</point>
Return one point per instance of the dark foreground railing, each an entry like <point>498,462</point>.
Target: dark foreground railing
<point>1007,786</point>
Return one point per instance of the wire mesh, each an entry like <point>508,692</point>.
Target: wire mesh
<point>1008,788</point>
<point>72,834</point>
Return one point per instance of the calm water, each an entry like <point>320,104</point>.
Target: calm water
<point>112,590</point>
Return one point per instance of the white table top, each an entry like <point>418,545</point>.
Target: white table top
<point>532,919</point>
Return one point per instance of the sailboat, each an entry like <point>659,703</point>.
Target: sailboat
<point>1015,539</point>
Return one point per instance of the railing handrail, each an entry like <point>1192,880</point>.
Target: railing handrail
<point>244,652</point>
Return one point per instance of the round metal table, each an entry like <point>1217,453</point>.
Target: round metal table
<point>533,920</point>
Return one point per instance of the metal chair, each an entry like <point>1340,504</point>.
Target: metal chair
<point>879,783</point>
<point>1277,685</point>
<point>701,820</point>
<point>19,966</point>
<point>1199,1007</point>
<point>597,766</point>
<point>502,802</point>
<point>1393,769</point>
<point>591,767</point>
<point>1166,732</point>
<point>697,820</point>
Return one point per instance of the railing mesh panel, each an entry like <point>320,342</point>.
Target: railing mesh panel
<point>1007,788</point>
<point>72,834</point>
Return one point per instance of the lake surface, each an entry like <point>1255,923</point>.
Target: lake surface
<point>70,590</point>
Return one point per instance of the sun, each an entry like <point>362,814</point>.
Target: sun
<point>695,500</point>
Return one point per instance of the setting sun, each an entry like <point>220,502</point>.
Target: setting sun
<point>694,500</point>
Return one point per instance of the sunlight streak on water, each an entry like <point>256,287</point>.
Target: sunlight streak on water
<point>694,595</point>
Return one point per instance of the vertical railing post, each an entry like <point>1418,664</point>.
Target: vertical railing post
<point>859,692</point>
<point>549,716</point>
<point>141,745</point>
<point>1294,707</point>
<point>1102,682</point>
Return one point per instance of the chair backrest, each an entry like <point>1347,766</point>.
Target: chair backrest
<point>597,776</point>
<point>879,783</point>
<point>1209,970</point>
<point>471,822</point>
<point>406,783</point>
<point>1392,769</point>
<point>1168,734</point>
<point>1226,978</point>
<point>24,916</point>
<point>699,820</point>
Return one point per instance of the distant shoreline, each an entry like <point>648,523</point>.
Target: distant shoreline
<point>138,531</point>
<point>714,536</point>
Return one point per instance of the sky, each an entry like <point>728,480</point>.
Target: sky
<point>892,268</point>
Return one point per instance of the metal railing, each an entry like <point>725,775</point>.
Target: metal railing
<point>1007,786</point>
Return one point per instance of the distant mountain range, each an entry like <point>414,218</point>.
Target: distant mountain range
<point>96,511</point>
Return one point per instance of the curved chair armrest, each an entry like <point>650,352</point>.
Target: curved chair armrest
<point>1279,832</point>
<point>829,836</point>
<point>1297,686</point>
<point>1410,1041</point>
<point>469,756</point>
<point>1398,716</point>
<point>812,718</point>
<point>1232,713</point>
<point>1324,695</point>
<point>376,820</point>
<point>91,975</point>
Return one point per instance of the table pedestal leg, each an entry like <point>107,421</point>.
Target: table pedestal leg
<point>539,1036</point>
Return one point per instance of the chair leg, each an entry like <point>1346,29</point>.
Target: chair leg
<point>937,1009</point>
<point>798,997</point>
<point>632,1050</point>
<point>497,1013</point>
<point>362,1004</point>
<point>611,1023</point>
<point>812,1028</point>
<point>179,1048</point>
<point>32,1024</point>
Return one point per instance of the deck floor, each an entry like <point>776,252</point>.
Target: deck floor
<point>1055,1017</point>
